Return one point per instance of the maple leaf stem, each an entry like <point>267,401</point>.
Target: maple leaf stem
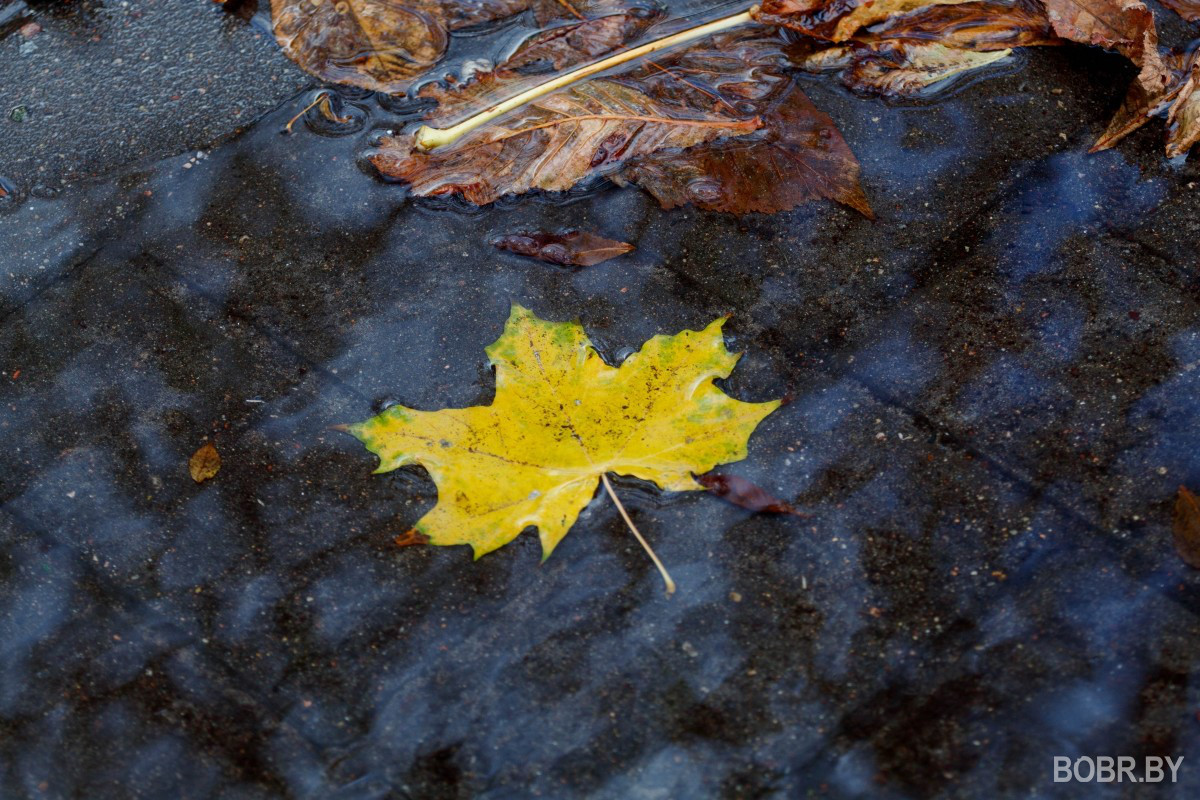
<point>666,576</point>
<point>427,138</point>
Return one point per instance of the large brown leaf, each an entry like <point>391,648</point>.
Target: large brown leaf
<point>798,156</point>
<point>559,48</point>
<point>556,141</point>
<point>718,125</point>
<point>377,44</point>
<point>835,20</point>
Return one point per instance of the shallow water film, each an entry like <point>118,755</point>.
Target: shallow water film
<point>994,396</point>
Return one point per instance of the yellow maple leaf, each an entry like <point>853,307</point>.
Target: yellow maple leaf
<point>561,419</point>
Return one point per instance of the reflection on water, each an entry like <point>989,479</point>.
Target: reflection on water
<point>987,439</point>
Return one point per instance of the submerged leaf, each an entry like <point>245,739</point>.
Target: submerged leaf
<point>799,156</point>
<point>569,249</point>
<point>744,493</point>
<point>1188,9</point>
<point>561,419</point>
<point>205,463</point>
<point>556,49</point>
<point>979,26</point>
<point>381,45</point>
<point>835,20</point>
<point>901,69</point>
<point>1187,526</point>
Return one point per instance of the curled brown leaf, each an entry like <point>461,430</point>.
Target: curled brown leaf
<point>1183,120</point>
<point>1178,101</point>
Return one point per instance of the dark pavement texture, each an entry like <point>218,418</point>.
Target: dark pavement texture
<point>996,392</point>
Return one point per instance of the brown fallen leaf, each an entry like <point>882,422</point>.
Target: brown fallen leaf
<point>979,26</point>
<point>1187,526</point>
<point>1183,120</point>
<point>835,20</point>
<point>556,49</point>
<point>799,156</point>
<point>746,494</point>
<point>1179,101</point>
<point>1188,9</point>
<point>410,538</point>
<point>905,69</point>
<point>1124,26</point>
<point>556,141</point>
<point>569,248</point>
<point>381,45</point>
<point>205,463</point>
<point>720,125</point>
<point>546,11</point>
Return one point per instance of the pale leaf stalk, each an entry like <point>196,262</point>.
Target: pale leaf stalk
<point>666,576</point>
<point>427,138</point>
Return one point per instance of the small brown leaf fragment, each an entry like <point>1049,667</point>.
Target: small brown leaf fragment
<point>744,493</point>
<point>1187,526</point>
<point>205,463</point>
<point>570,248</point>
<point>411,537</point>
